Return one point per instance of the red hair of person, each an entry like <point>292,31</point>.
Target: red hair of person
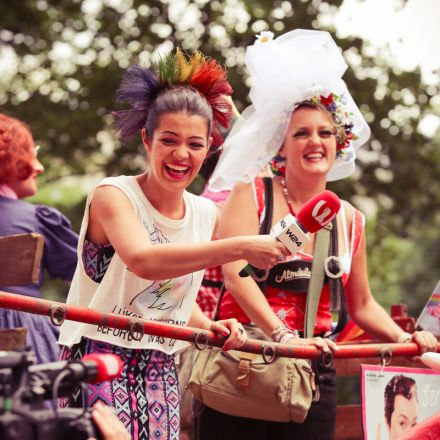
<point>16,149</point>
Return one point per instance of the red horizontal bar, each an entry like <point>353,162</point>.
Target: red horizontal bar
<point>191,334</point>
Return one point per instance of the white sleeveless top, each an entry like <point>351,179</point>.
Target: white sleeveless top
<point>120,291</point>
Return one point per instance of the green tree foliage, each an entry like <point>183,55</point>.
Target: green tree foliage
<point>64,62</point>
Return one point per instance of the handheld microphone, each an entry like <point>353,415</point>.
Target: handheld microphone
<point>293,231</point>
<point>432,360</point>
<point>93,368</point>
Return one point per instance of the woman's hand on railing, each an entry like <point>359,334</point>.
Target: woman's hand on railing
<point>233,329</point>
<point>324,344</point>
<point>425,340</point>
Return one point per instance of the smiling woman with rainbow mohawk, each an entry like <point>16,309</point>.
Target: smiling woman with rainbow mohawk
<point>145,241</point>
<point>141,87</point>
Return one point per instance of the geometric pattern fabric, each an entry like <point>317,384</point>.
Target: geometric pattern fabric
<point>145,397</point>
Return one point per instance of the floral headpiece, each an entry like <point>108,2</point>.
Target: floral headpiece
<point>299,66</point>
<point>141,86</point>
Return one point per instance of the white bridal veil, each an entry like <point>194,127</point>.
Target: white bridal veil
<point>285,71</point>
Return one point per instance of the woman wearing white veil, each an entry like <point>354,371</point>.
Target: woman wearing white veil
<point>303,118</point>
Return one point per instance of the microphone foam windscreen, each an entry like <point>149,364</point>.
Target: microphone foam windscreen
<point>319,210</point>
<point>109,365</point>
<point>432,360</point>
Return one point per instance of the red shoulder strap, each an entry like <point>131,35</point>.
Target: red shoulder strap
<point>259,193</point>
<point>357,229</point>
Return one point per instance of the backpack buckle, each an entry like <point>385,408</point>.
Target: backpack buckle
<point>333,267</point>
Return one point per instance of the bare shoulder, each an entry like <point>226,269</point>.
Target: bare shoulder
<point>351,210</point>
<point>242,189</point>
<point>109,198</point>
<point>355,219</point>
<point>348,209</point>
<point>241,198</point>
<point>239,214</point>
<point>108,202</point>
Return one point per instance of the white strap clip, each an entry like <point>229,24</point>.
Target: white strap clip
<point>327,261</point>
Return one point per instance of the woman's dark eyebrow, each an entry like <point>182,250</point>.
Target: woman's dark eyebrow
<point>169,132</point>
<point>175,134</point>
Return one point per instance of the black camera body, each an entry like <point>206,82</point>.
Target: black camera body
<point>28,395</point>
<point>68,424</point>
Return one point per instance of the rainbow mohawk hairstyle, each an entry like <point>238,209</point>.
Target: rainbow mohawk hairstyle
<point>210,80</point>
<point>138,88</point>
<point>141,86</point>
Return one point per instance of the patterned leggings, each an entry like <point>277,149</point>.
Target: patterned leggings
<point>145,397</point>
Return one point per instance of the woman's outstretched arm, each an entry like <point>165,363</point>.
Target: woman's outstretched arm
<point>113,220</point>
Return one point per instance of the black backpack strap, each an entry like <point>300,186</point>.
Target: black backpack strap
<point>265,226</point>
<point>217,307</point>
<point>260,276</point>
<point>334,273</point>
<point>211,283</point>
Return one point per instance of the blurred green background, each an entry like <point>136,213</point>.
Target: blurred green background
<point>61,62</point>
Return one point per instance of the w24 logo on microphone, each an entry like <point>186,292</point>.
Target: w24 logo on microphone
<point>293,238</point>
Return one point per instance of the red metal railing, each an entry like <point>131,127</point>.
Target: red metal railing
<point>58,312</point>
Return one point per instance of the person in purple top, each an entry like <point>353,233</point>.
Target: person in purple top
<point>19,168</point>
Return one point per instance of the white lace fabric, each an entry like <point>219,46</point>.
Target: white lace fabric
<point>286,71</point>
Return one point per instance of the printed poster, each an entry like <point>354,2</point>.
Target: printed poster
<point>395,399</point>
<point>429,319</point>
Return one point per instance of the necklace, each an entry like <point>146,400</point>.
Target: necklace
<point>287,196</point>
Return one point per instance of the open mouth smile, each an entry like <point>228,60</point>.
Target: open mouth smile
<point>177,171</point>
<point>314,155</point>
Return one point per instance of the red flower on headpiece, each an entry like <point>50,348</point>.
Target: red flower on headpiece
<point>327,101</point>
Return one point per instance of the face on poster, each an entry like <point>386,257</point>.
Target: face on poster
<point>395,399</point>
